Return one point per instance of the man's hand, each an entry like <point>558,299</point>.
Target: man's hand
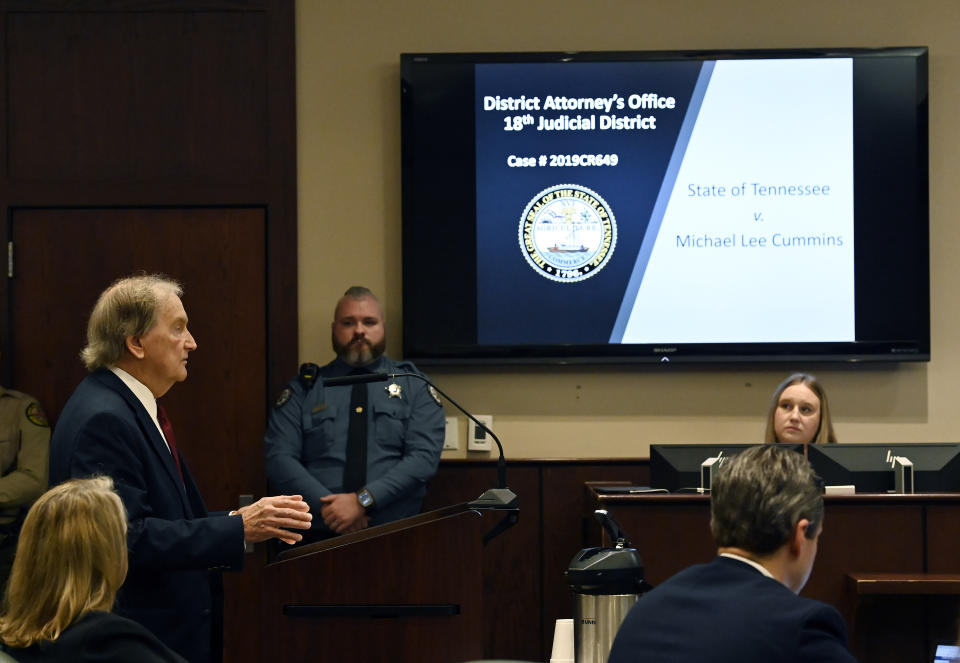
<point>343,514</point>
<point>271,517</point>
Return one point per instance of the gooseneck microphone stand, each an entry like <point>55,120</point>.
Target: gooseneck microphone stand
<point>500,498</point>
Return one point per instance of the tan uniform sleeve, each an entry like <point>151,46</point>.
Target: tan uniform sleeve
<point>30,475</point>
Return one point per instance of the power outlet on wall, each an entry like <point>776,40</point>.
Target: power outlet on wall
<point>478,439</point>
<point>451,435</point>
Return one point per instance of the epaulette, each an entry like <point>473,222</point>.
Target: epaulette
<point>409,367</point>
<point>406,366</point>
<point>308,375</point>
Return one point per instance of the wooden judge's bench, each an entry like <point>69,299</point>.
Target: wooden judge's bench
<point>889,563</point>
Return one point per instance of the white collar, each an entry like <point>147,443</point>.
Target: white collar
<point>759,567</point>
<point>140,390</point>
<point>144,395</point>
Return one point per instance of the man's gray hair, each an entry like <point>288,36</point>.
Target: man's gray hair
<point>759,496</point>
<point>127,308</point>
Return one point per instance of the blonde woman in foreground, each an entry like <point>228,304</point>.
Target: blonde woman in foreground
<point>71,560</point>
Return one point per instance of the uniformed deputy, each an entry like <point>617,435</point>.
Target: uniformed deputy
<point>24,466</point>
<point>365,453</point>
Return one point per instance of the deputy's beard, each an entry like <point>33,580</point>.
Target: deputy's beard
<point>359,351</point>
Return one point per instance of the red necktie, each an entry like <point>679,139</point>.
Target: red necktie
<point>167,429</point>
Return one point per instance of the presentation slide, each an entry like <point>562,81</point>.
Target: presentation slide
<point>665,202</point>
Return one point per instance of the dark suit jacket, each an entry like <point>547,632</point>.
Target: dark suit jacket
<point>99,637</point>
<point>176,548</point>
<point>728,612</point>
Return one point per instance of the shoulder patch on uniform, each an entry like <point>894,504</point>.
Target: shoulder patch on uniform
<point>36,416</point>
<point>433,392</point>
<point>283,397</point>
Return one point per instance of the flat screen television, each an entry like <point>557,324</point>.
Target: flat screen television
<point>681,206</point>
<point>936,467</point>
<point>676,467</point>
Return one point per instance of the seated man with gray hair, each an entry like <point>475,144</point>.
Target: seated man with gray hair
<point>766,517</point>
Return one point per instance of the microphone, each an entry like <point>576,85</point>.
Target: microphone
<point>359,378</point>
<point>500,497</point>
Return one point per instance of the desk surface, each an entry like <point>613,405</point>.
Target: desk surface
<point>905,584</point>
<point>693,498</point>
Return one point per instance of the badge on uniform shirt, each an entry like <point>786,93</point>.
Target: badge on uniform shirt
<point>394,390</point>
<point>433,392</point>
<point>36,416</point>
<point>283,397</point>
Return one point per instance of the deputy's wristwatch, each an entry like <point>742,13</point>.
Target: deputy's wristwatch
<point>365,498</point>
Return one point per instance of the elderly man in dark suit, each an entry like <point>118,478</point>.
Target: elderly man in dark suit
<point>766,517</point>
<point>138,344</point>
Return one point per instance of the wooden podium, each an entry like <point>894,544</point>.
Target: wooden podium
<point>410,590</point>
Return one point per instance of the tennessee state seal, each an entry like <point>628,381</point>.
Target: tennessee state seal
<point>567,233</point>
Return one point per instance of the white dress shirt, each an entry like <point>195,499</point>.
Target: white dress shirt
<point>144,395</point>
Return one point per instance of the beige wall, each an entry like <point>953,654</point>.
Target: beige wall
<point>349,212</point>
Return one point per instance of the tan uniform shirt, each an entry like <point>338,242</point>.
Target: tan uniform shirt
<point>24,453</point>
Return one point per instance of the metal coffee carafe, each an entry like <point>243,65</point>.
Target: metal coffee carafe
<point>606,582</point>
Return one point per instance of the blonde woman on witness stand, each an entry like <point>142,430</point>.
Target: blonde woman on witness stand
<point>799,412</point>
<point>71,560</point>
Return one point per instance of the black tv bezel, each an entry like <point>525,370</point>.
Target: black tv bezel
<point>418,280</point>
